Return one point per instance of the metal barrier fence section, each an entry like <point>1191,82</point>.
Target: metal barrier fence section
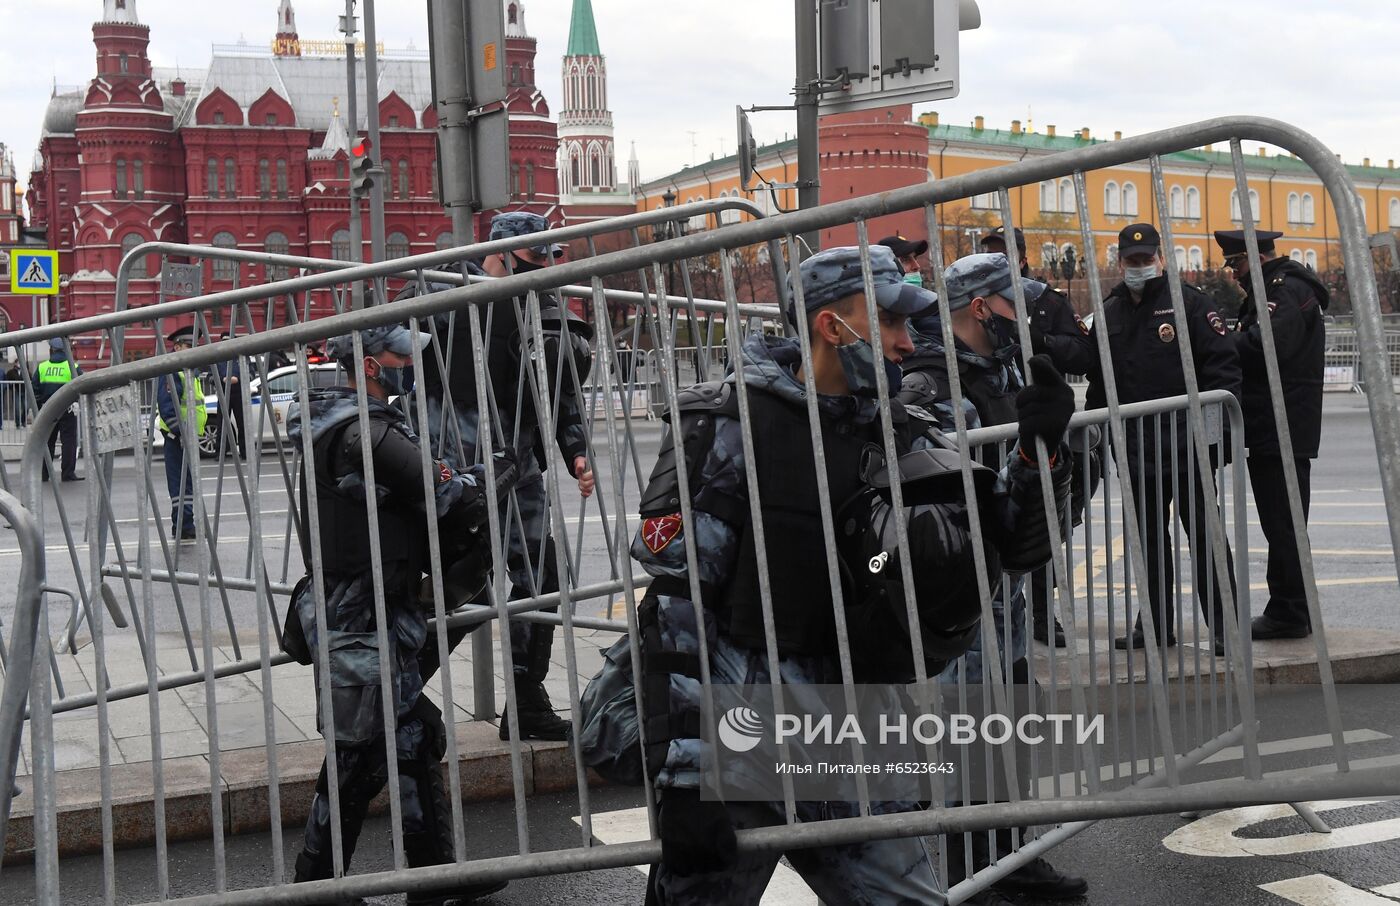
<point>330,533</point>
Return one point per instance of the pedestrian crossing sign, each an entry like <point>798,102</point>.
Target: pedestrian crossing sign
<point>34,272</point>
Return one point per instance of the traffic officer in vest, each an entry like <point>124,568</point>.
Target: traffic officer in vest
<point>172,402</point>
<point>522,428</point>
<point>458,503</point>
<point>699,862</point>
<point>1146,361</point>
<point>48,377</point>
<point>1295,299</point>
<point>984,332</point>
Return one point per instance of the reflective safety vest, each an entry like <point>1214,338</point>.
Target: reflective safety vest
<point>56,372</point>
<point>201,415</point>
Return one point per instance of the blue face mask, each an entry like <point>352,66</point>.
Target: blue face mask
<point>858,363</point>
<point>395,381</point>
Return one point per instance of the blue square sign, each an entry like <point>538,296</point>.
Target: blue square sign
<point>34,272</point>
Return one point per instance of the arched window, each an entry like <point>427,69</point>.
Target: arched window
<point>1048,200</point>
<point>1254,205</point>
<point>575,167</point>
<point>1049,255</point>
<point>281,177</point>
<point>515,73</point>
<point>1112,202</point>
<point>276,244</point>
<point>444,241</point>
<point>211,185</point>
<point>515,180</point>
<point>138,179</point>
<point>120,190</point>
<point>1296,255</point>
<point>1178,202</point>
<point>1130,204</point>
<point>530,180</point>
<point>230,179</point>
<point>1111,255</point>
<point>1394,213</point>
<point>1310,259</point>
<point>1308,209</point>
<point>403,179</point>
<point>224,269</point>
<point>396,246</point>
<point>1193,203</point>
<point>138,266</point>
<point>1179,258</point>
<point>1194,259</point>
<point>125,63</point>
<point>264,179</point>
<point>340,245</point>
<point>1067,205</point>
<point>1295,208</point>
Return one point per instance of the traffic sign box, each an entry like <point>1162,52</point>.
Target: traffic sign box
<point>34,272</point>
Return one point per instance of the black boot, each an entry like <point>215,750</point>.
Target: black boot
<point>1040,880</point>
<point>315,867</point>
<point>536,713</point>
<point>433,846</point>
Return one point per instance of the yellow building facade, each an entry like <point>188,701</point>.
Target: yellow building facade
<point>1199,184</point>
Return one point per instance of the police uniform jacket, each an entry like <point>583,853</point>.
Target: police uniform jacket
<point>1296,299</point>
<point>1066,337</point>
<point>1143,341</point>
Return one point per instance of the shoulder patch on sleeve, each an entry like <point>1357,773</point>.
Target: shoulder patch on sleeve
<point>1216,322</point>
<point>659,531</point>
<point>1083,328</point>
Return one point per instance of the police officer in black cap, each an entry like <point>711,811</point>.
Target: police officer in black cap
<point>1295,299</point>
<point>907,253</point>
<point>1055,329</point>
<point>1142,338</point>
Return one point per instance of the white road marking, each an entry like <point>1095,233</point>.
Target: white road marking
<point>1214,836</point>
<point>630,826</point>
<point>1388,890</point>
<point>1321,890</point>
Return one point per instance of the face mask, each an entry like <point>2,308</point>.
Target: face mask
<point>915,278</point>
<point>521,266</point>
<point>1137,277</point>
<point>395,381</point>
<point>1001,331</point>
<point>858,363</point>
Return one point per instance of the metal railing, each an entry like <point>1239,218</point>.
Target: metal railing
<point>1172,729</point>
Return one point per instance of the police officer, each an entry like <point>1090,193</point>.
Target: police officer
<point>1055,328</point>
<point>1059,332</point>
<point>699,862</point>
<point>48,377</point>
<point>1295,299</point>
<point>908,253</point>
<point>1146,361</point>
<point>508,339</point>
<point>984,332</point>
<point>458,502</point>
<point>171,404</point>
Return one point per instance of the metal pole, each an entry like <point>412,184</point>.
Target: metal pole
<point>376,187</point>
<point>805,90</point>
<point>447,47</point>
<point>357,241</point>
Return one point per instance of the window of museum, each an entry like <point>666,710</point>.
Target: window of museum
<point>138,179</point>
<point>120,190</point>
<point>264,179</point>
<point>230,179</point>
<point>225,270</point>
<point>276,244</point>
<point>281,178</point>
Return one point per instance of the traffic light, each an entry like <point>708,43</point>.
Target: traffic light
<point>360,165</point>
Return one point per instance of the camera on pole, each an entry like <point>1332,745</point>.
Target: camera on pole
<point>360,166</point>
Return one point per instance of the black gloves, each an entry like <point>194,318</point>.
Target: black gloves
<point>1044,407</point>
<point>1038,344</point>
<point>696,835</point>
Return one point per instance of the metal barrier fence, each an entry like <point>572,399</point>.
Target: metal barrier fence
<point>1175,707</point>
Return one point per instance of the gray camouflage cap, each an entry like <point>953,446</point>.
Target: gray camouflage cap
<point>523,223</point>
<point>985,275</point>
<point>833,274</point>
<point>392,337</point>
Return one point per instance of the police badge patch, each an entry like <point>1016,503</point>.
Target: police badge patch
<point>659,531</point>
<point>1083,328</point>
<point>1166,333</point>
<point>1217,323</point>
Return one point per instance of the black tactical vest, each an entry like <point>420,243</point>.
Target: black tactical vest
<point>344,520</point>
<point>795,543</point>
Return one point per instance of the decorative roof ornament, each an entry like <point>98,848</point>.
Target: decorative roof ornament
<point>337,138</point>
<point>583,33</point>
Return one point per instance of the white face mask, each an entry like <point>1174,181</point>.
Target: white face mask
<point>1137,277</point>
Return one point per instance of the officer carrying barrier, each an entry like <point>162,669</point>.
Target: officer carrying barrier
<point>566,563</point>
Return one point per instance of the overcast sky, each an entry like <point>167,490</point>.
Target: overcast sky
<point>676,68</point>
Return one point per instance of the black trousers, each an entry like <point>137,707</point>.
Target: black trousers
<point>67,429</point>
<point>235,404</point>
<point>1288,602</point>
<point>1154,507</point>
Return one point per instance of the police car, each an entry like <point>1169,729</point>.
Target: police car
<point>277,392</point>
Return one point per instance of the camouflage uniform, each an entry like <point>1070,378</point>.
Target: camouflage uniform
<point>507,334</point>
<point>350,621</point>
